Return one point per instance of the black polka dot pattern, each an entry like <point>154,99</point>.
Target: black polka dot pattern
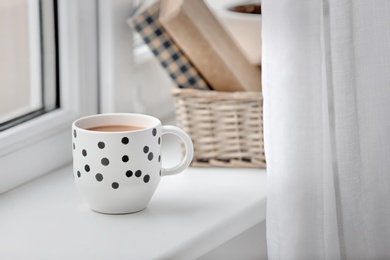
<point>101,145</point>
<point>99,177</point>
<point>125,140</point>
<point>105,161</point>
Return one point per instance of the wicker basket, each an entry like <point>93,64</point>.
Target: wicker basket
<point>225,127</point>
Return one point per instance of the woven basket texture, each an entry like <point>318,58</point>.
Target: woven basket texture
<point>225,127</point>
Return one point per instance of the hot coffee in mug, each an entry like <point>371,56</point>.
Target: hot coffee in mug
<point>115,128</point>
<point>117,160</point>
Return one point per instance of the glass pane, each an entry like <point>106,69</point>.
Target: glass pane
<point>28,80</point>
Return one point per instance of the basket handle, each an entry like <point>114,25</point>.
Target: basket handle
<point>189,147</point>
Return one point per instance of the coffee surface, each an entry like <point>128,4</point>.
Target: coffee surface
<point>248,9</point>
<point>115,128</point>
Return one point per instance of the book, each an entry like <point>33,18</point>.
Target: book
<point>208,46</point>
<point>173,60</point>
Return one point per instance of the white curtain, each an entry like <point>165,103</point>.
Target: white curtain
<point>326,80</point>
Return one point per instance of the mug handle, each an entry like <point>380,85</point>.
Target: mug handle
<point>170,129</point>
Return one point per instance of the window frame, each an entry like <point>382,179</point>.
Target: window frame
<point>42,144</point>
<point>34,59</point>
<point>118,90</point>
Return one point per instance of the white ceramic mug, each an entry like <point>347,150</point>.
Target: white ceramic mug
<point>118,171</point>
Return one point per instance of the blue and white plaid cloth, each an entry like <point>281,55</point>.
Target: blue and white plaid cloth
<point>166,51</point>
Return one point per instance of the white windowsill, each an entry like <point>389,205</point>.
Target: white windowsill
<point>189,215</point>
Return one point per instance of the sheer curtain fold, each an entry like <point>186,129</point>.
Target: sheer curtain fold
<point>327,128</point>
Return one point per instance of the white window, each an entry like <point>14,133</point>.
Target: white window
<point>91,68</point>
<point>21,65</point>
<point>50,50</point>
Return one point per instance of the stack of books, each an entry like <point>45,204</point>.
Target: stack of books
<point>193,47</point>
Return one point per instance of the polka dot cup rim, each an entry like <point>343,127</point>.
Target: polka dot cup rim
<point>145,122</point>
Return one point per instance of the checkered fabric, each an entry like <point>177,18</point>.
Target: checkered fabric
<point>166,51</point>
